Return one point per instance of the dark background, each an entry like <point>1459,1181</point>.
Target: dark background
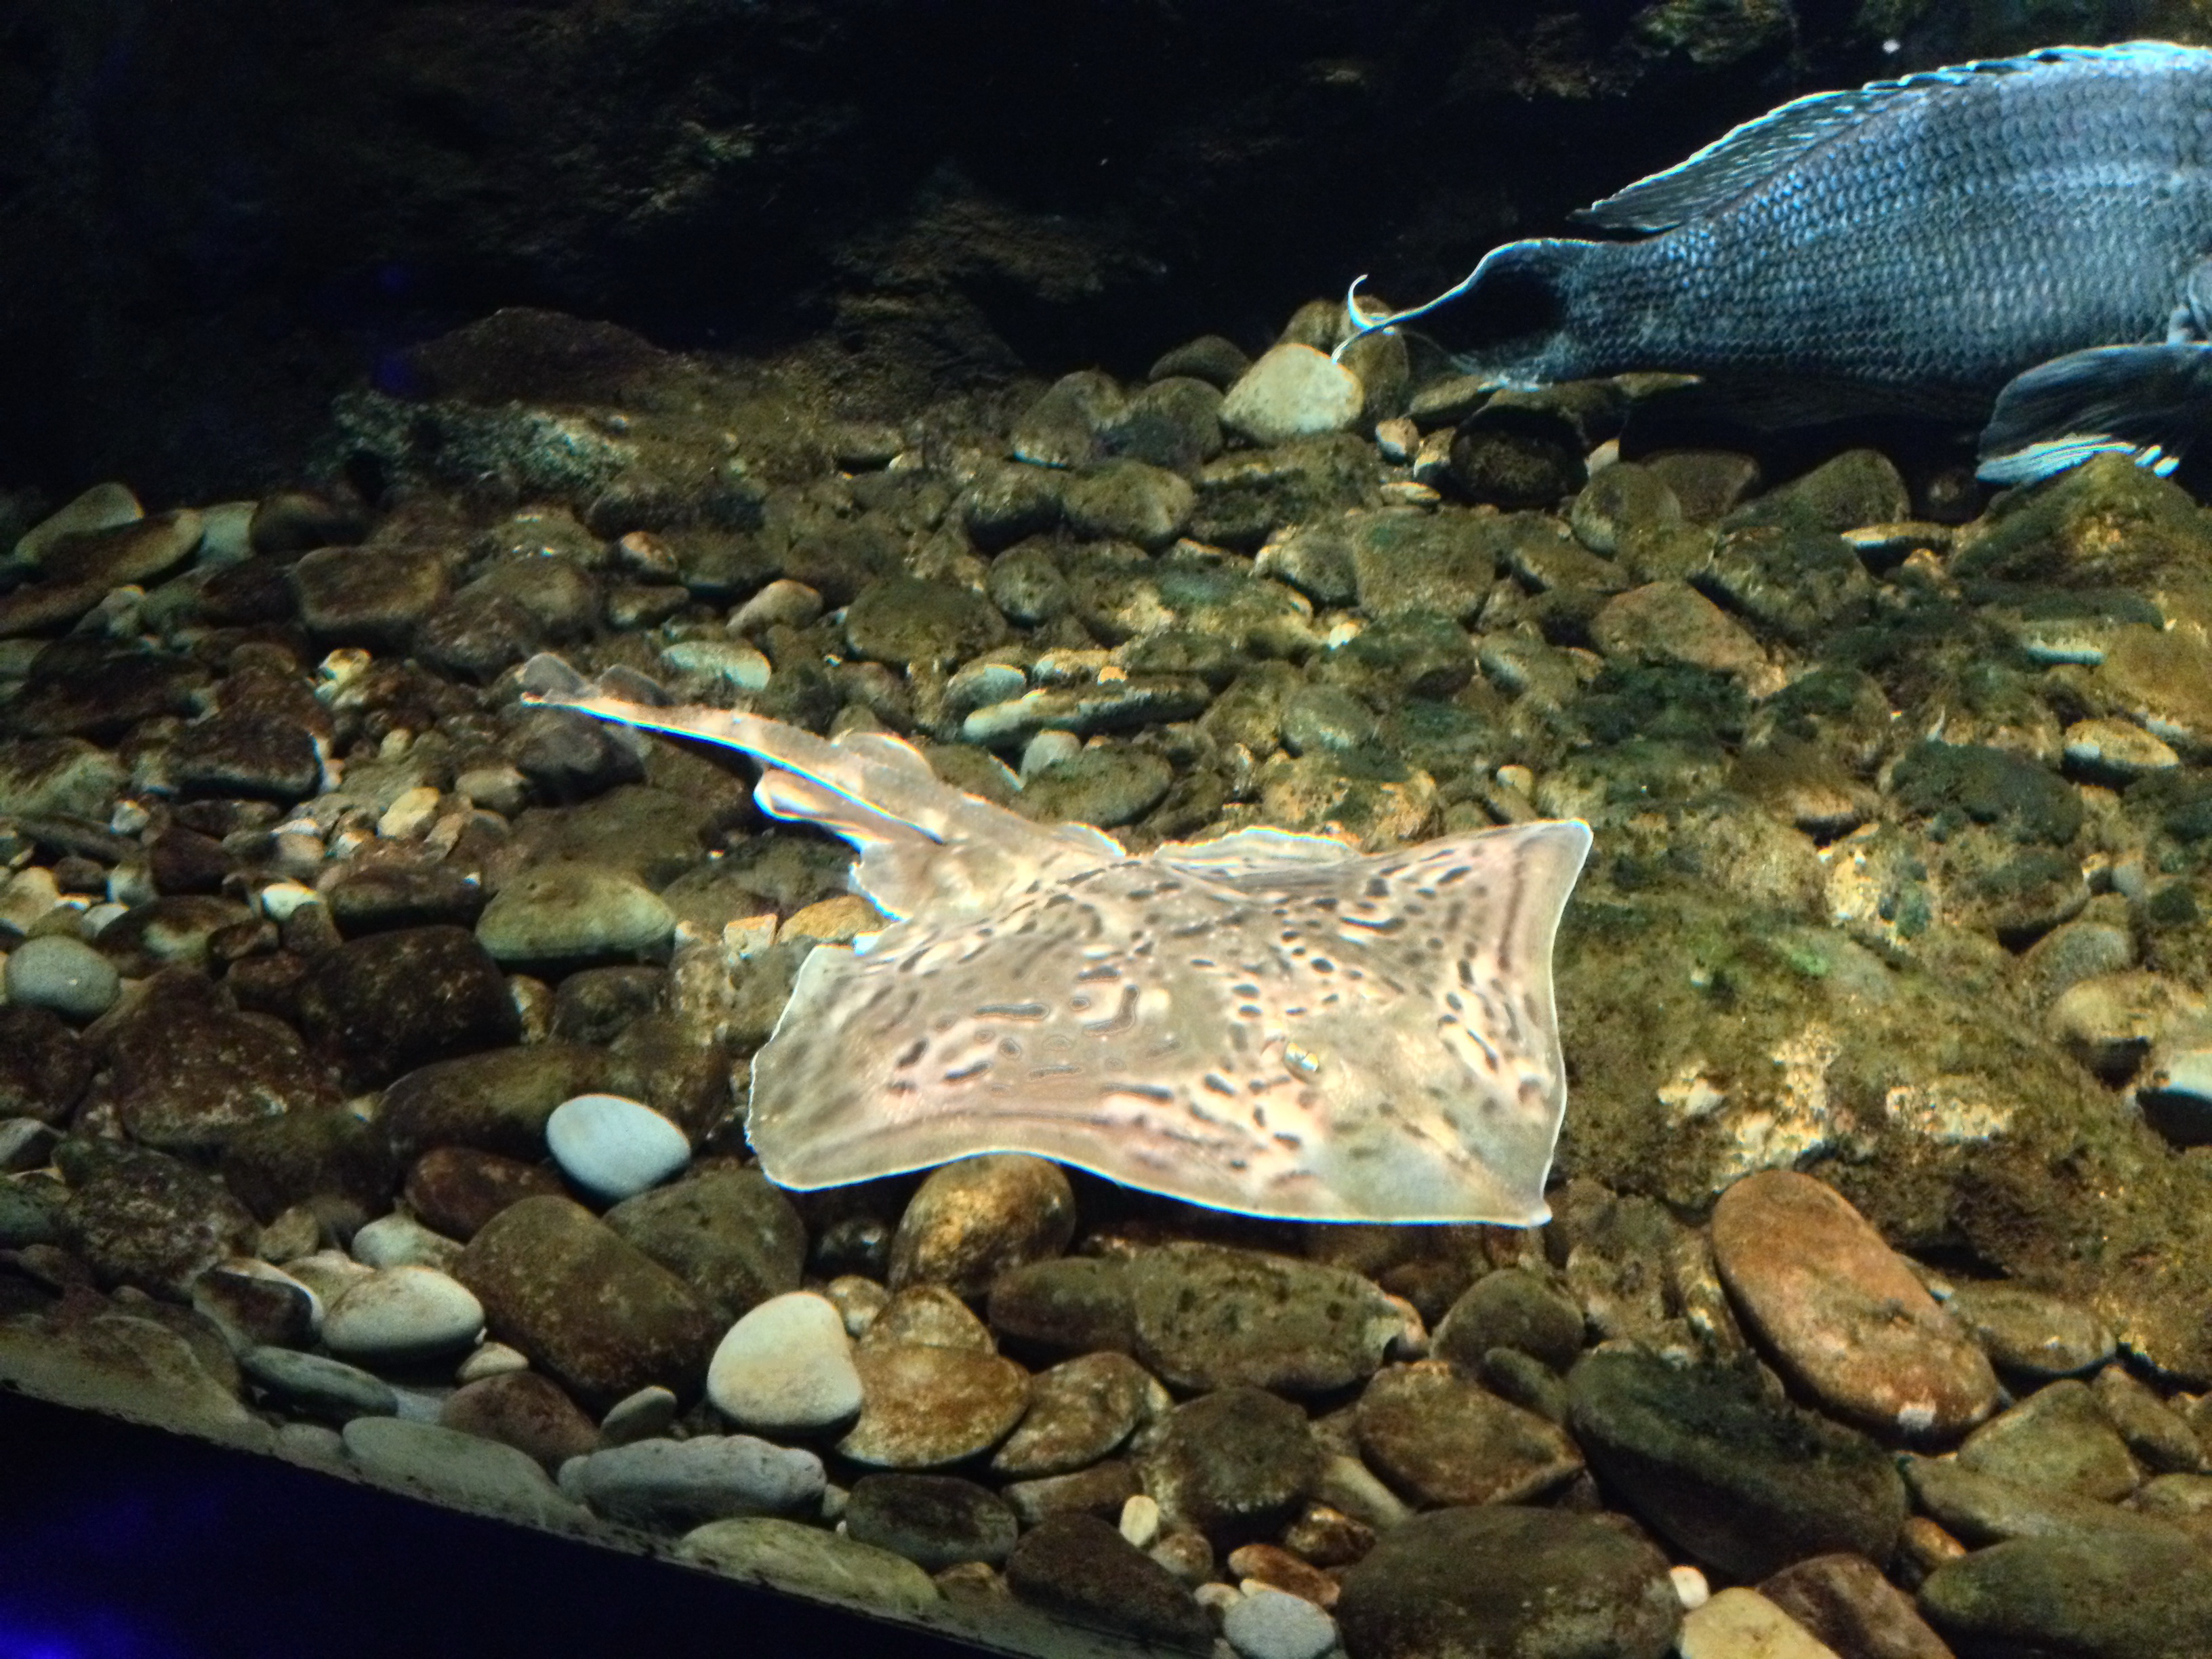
<point>213,214</point>
<point>119,1543</point>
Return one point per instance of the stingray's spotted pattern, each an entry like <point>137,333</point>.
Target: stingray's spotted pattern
<point>1268,1023</point>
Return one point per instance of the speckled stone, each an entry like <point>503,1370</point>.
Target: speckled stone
<point>145,1219</point>
<point>1292,391</point>
<point>1207,1317</point>
<point>1080,1413</point>
<point>1077,1304</point>
<point>977,1217</point>
<point>931,1316</point>
<point>390,1002</point>
<point>44,1065</point>
<point>923,1407</point>
<point>454,1190</point>
<point>725,1231</point>
<point>523,1410</point>
<point>1740,1481</point>
<point>786,1366</point>
<point>1233,1464</point>
<point>257,1305</point>
<point>1081,1569</point>
<point>2159,1436</point>
<point>2057,1439</point>
<point>1844,1315</point>
<point>672,1486</point>
<point>1508,1582</point>
<point>572,913</point>
<point>593,1311</point>
<point>935,1521</point>
<point>1441,1438</point>
<point>1986,1509</point>
<point>1101,1490</point>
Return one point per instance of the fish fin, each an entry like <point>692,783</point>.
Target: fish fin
<point>1749,154</point>
<point>924,844</point>
<point>2149,403</point>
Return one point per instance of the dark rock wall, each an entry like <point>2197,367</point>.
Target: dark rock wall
<point>215,213</point>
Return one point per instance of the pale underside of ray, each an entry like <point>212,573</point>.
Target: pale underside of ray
<point>1268,1023</point>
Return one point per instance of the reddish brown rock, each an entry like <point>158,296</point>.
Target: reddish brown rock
<point>526,1411</point>
<point>598,1314</point>
<point>1844,1600</point>
<point>454,1190</point>
<point>1842,1312</point>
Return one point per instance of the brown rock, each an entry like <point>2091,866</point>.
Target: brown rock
<point>1083,1570</point>
<point>1842,1312</point>
<point>725,1232</point>
<point>44,1068</point>
<point>1844,1601</point>
<point>454,1190</point>
<point>1671,622</point>
<point>523,1410</point>
<point>1233,1464</point>
<point>601,1316</point>
<point>386,1004</point>
<point>185,1072</point>
<point>147,1220</point>
<point>922,1407</point>
<point>976,1218</point>
<point>1442,1439</point>
<point>495,1102</point>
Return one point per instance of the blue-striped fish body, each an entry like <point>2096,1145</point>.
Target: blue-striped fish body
<point>1987,234</point>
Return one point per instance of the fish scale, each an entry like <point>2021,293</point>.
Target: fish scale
<point>1268,1023</point>
<point>2026,233</point>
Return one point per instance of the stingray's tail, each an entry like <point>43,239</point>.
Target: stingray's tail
<point>1521,303</point>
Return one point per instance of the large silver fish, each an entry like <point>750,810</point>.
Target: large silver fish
<point>2023,239</point>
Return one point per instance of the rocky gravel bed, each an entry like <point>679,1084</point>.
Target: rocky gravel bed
<point>373,1047</point>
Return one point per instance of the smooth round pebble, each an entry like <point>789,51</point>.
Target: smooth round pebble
<point>64,974</point>
<point>644,1415</point>
<point>673,1485</point>
<point>787,1364</point>
<point>402,1314</point>
<point>615,1147</point>
<point>401,1241</point>
<point>1271,1624</point>
<point>1292,391</point>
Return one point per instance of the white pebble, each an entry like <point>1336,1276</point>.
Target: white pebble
<point>1272,1624</point>
<point>400,1314</point>
<point>492,1359</point>
<point>1049,749</point>
<point>733,664</point>
<point>787,1364</point>
<point>1690,1586</point>
<point>409,814</point>
<point>1140,1521</point>
<point>615,1147</point>
<point>279,899</point>
<point>1292,391</point>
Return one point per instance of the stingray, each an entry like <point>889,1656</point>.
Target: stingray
<point>1268,1023</point>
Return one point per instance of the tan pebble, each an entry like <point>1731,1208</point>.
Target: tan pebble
<point>1741,1624</point>
<point>1140,1521</point>
<point>1844,1314</point>
<point>837,921</point>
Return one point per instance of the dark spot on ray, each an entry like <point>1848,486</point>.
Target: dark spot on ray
<point>975,1069</point>
<point>1121,1020</point>
<point>911,1052</point>
<point>1322,965</point>
<point>1259,1117</point>
<point>1396,924</point>
<point>1201,961</point>
<point>899,1085</point>
<point>1217,1084</point>
<point>1103,971</point>
<point>1289,1141</point>
<point>1010,1010</point>
<point>1053,1071</point>
<point>1009,1048</point>
<point>1248,1010</point>
<point>1142,1091</point>
<point>1244,990</point>
<point>1377,888</point>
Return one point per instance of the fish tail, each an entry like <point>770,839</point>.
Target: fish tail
<point>1525,306</point>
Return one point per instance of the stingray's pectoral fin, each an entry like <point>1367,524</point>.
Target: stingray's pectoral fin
<point>2149,403</point>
